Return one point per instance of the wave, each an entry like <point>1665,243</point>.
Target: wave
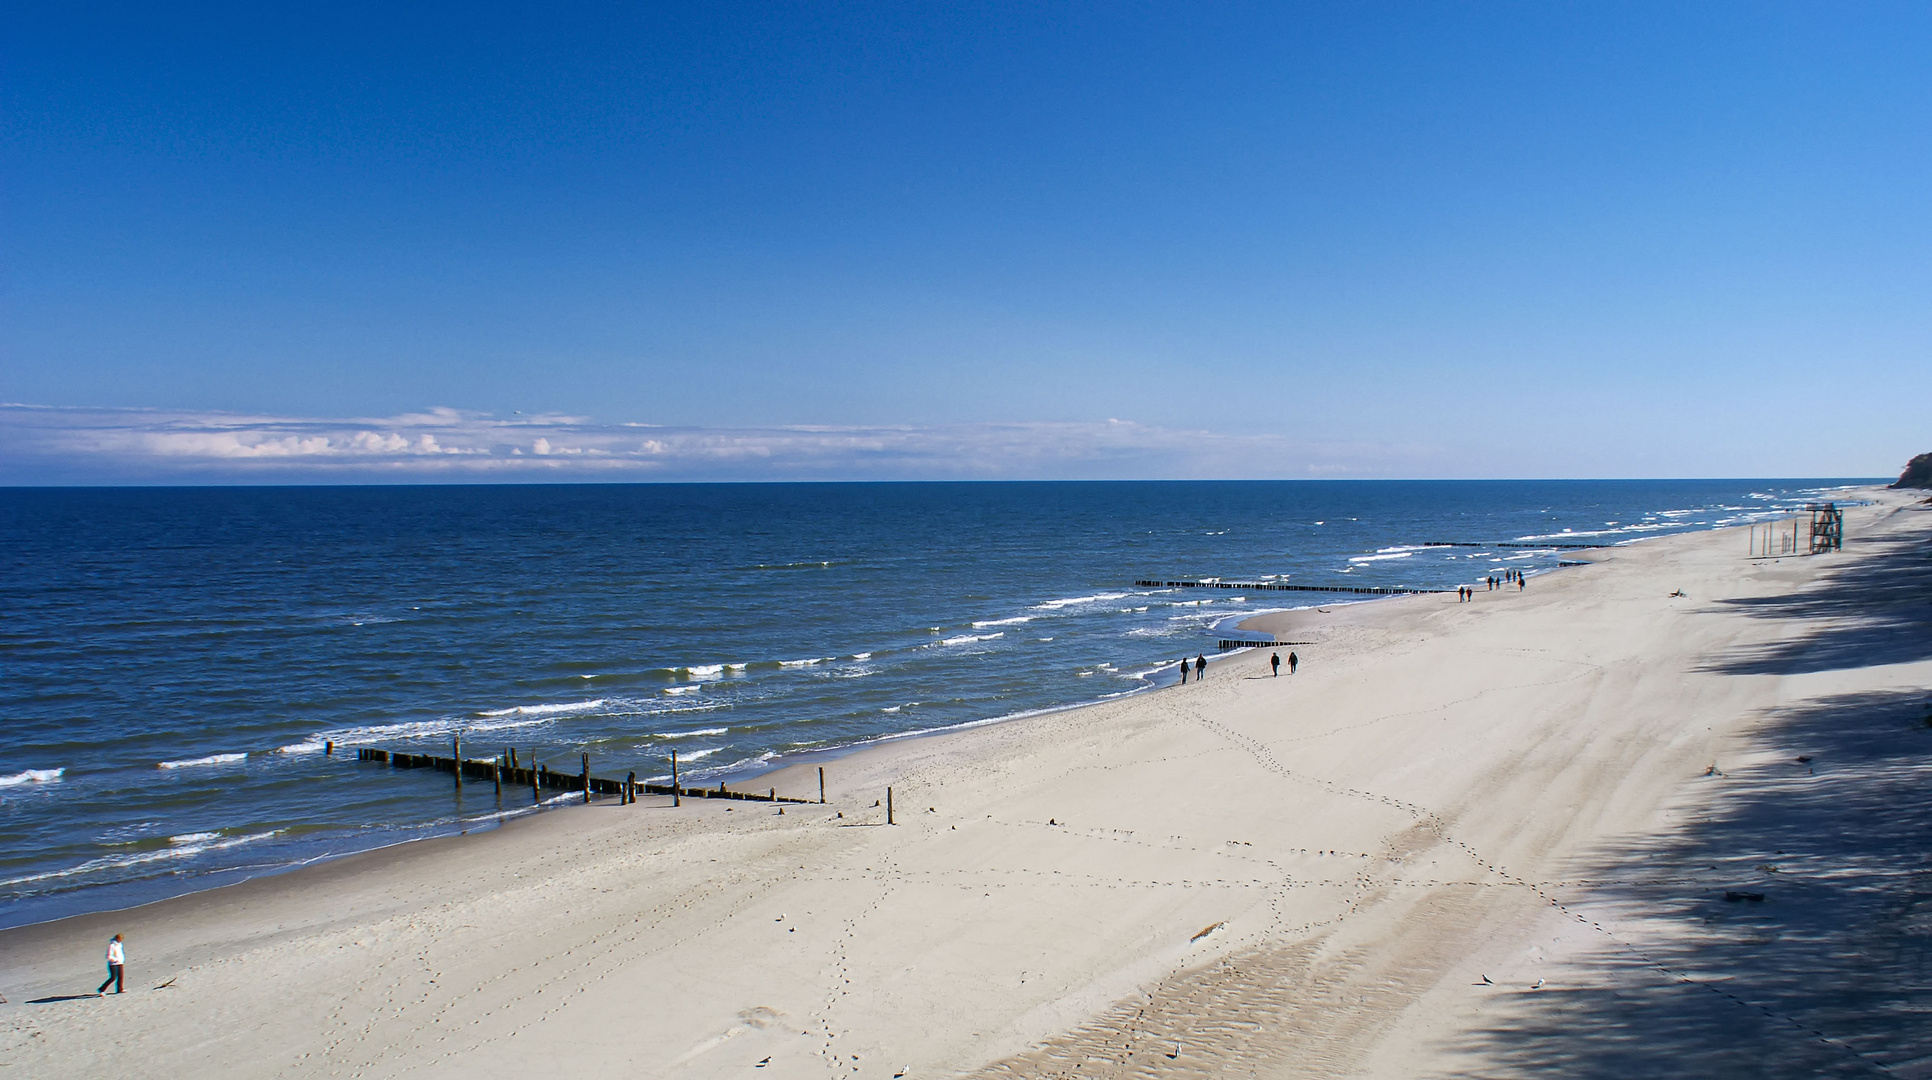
<point>703,671</point>
<point>1070,601</point>
<point>181,850</point>
<point>981,624</point>
<point>1381,557</point>
<point>690,688</point>
<point>423,729</point>
<point>211,759</point>
<point>689,734</point>
<point>806,662</point>
<point>861,656</point>
<point>545,710</point>
<point>32,776</point>
<point>308,746</point>
<point>194,837</point>
<point>964,639</point>
<point>696,755</point>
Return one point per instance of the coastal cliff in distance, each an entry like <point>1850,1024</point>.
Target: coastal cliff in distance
<point>1917,474</point>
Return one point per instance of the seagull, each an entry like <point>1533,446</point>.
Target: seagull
<point>1538,985</point>
<point>1485,982</point>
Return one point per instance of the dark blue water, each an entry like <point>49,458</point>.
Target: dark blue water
<point>172,660</point>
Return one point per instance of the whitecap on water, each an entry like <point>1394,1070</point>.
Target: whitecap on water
<point>211,759</point>
<point>32,776</point>
<point>556,709</point>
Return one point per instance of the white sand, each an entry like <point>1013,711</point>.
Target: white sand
<point>1306,876</point>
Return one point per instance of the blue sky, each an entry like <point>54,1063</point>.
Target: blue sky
<point>830,241</point>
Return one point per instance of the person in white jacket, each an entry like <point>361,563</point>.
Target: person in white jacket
<point>116,961</point>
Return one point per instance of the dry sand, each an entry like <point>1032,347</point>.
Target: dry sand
<point>1467,839</point>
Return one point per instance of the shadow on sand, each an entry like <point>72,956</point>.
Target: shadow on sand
<point>1874,610</point>
<point>1830,974</point>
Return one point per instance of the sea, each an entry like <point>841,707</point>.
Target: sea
<point>173,661</point>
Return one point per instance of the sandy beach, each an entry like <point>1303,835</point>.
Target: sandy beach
<point>1662,814</point>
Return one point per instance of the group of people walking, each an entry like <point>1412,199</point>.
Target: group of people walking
<point>1466,593</point>
<point>1200,666</point>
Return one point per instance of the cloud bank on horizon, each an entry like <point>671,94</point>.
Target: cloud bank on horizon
<point>48,445</point>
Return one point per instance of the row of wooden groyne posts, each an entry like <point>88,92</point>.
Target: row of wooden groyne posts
<point>506,771</point>
<point>1359,590</point>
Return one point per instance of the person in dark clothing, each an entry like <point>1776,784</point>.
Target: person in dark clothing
<point>1292,661</point>
<point>1200,667</point>
<point>116,962</point>
<point>1275,662</point>
<point>1183,671</point>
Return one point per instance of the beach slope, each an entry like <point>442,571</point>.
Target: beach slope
<point>1650,816</point>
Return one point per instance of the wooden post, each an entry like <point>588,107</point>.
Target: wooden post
<point>328,748</point>
<point>586,779</point>
<point>821,783</point>
<point>496,773</point>
<point>536,787</point>
<point>456,751</point>
<point>888,806</point>
<point>513,757</point>
<point>630,788</point>
<point>774,795</point>
<point>677,793</point>
<point>721,790</point>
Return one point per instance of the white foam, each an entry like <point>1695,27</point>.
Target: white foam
<point>1380,558</point>
<point>892,708</point>
<point>422,729</point>
<point>1055,605</point>
<point>558,709</point>
<point>32,776</point>
<point>699,755</point>
<point>688,688</point>
<point>705,671</point>
<point>861,656</point>
<point>211,759</point>
<point>194,837</point>
<point>734,667</point>
<point>114,862</point>
<point>309,747</point>
<point>807,662</point>
<point>689,734</point>
<point>981,624</point>
<point>964,639</point>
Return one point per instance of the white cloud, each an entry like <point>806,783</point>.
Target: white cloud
<point>63,445</point>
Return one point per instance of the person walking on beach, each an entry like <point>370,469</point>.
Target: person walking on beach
<point>1183,671</point>
<point>1275,662</point>
<point>1200,667</point>
<point>1292,661</point>
<point>116,961</point>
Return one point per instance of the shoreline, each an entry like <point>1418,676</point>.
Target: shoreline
<point>1261,621</point>
<point>1436,797</point>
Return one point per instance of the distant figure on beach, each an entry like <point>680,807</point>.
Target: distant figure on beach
<point>116,961</point>
<point>1275,662</point>
<point>1292,661</point>
<point>1183,671</point>
<point>1519,583</point>
<point>1200,667</point>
